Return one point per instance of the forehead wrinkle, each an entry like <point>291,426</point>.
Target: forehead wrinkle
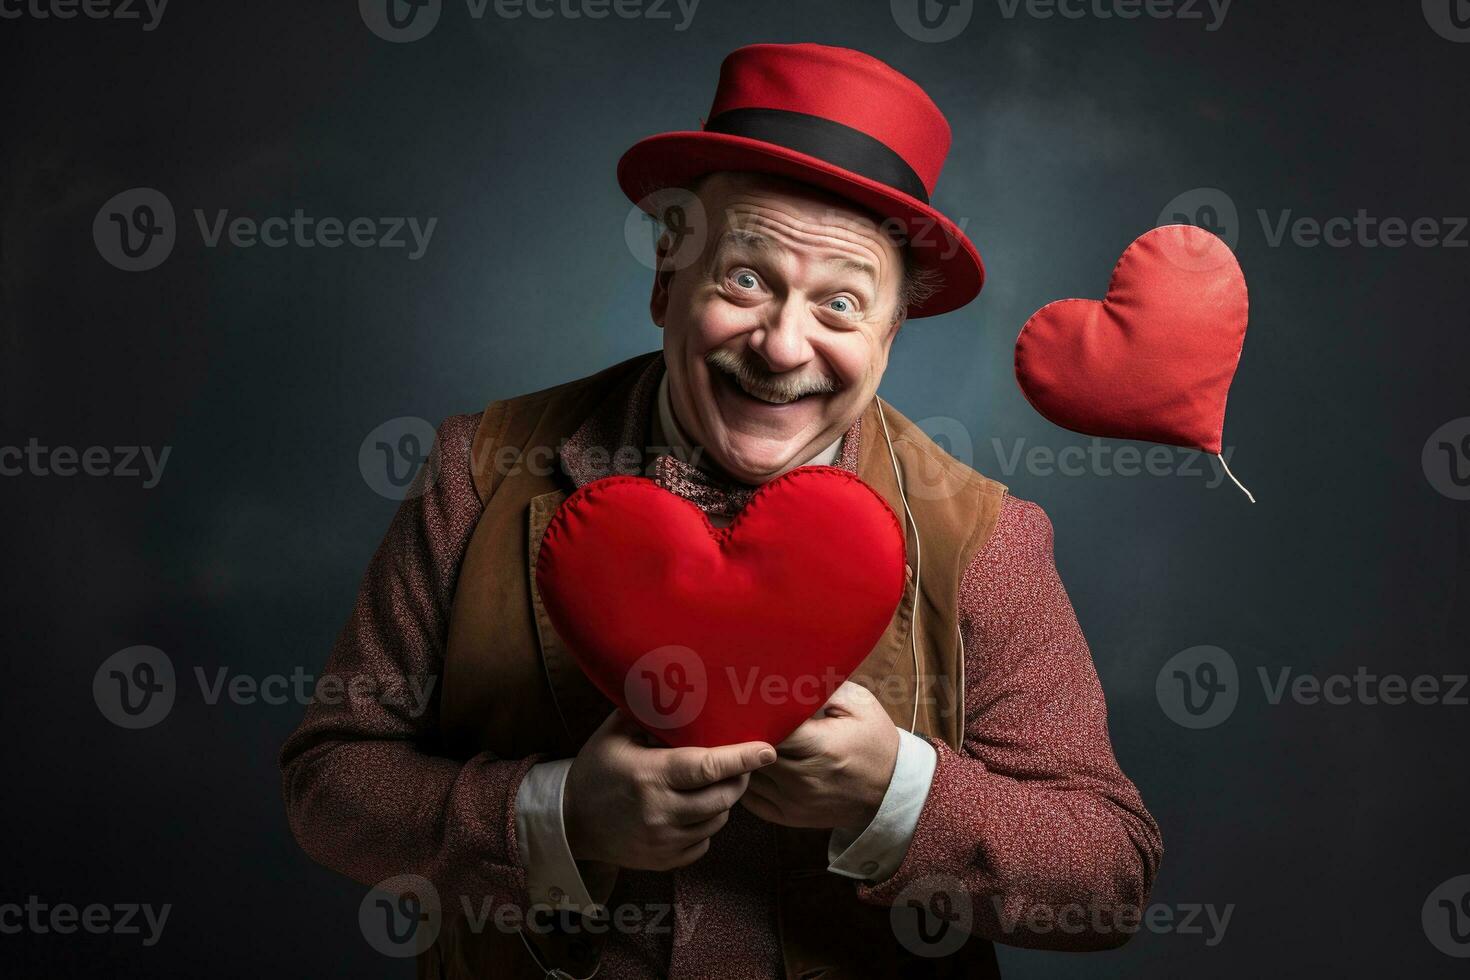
<point>785,225</point>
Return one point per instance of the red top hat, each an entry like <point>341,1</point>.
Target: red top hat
<point>836,118</point>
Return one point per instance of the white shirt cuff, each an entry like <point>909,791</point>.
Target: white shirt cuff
<point>553,877</point>
<point>876,852</point>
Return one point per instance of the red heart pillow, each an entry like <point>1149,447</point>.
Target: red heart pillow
<point>708,636</point>
<point>1153,360</point>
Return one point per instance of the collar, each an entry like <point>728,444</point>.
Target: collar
<point>634,432</point>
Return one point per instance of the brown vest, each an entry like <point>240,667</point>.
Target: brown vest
<point>511,688</point>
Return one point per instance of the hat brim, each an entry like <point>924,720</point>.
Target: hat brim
<point>676,159</point>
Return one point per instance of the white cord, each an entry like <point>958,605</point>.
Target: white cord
<point>918,566</point>
<point>1232,478</point>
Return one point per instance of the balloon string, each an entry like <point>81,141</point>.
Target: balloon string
<point>1233,479</point>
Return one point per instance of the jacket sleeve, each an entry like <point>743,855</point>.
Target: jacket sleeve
<point>367,792</point>
<point>1032,823</point>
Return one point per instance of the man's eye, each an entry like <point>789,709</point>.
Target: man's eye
<point>842,305</point>
<point>746,279</point>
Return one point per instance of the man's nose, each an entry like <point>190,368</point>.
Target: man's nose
<point>782,339</point>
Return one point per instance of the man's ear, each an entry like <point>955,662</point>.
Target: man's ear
<point>893,330</point>
<point>663,276</point>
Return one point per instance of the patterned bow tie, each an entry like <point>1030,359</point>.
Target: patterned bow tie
<point>710,493</point>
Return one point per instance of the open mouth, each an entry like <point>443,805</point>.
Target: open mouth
<point>733,384</point>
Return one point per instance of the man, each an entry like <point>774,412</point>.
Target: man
<point>960,789</point>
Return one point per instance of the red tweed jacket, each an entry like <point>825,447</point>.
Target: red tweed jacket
<point>1034,813</point>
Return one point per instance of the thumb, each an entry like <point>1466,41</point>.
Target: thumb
<point>849,699</point>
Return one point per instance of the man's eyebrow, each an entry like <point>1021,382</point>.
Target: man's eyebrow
<point>756,242</point>
<point>740,238</point>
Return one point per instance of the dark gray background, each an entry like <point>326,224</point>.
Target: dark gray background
<point>1325,826</point>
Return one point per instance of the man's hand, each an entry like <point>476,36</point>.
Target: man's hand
<point>833,770</point>
<point>632,804</point>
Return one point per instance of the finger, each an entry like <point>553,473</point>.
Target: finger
<point>761,806</point>
<point>705,829</point>
<point>695,805</point>
<point>692,768</point>
<point>804,741</point>
<point>617,727</point>
<point>691,854</point>
<point>849,698</point>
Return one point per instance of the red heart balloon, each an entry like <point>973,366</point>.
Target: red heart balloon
<point>1153,360</point>
<point>710,636</point>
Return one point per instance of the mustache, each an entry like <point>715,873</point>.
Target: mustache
<point>755,379</point>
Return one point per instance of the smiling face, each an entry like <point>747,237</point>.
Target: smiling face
<point>777,334</point>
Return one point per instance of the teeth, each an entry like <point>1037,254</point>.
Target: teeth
<point>768,401</point>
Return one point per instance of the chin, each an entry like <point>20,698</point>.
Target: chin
<point>756,460</point>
